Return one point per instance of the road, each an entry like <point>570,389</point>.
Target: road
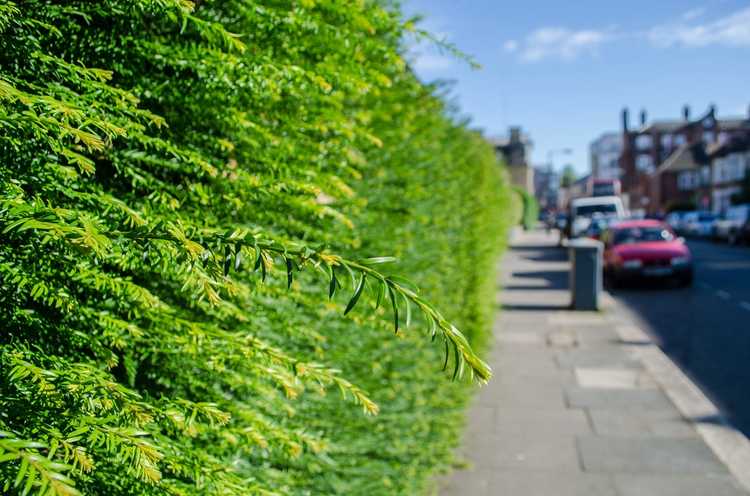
<point>705,329</point>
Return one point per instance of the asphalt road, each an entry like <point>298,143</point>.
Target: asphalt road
<point>705,329</point>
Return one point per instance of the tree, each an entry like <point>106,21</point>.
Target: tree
<point>568,176</point>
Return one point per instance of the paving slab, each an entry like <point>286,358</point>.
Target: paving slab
<point>513,421</point>
<point>505,338</point>
<point>657,455</point>
<point>596,336</point>
<point>514,483</point>
<point>541,395</point>
<point>613,378</point>
<point>618,399</point>
<point>599,356</point>
<point>645,423</point>
<point>525,451</point>
<point>577,319</point>
<point>473,481</point>
<point>677,485</point>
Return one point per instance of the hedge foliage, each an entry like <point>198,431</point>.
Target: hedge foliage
<point>529,208</point>
<point>192,196</point>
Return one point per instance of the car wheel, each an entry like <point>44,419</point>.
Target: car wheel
<point>686,281</point>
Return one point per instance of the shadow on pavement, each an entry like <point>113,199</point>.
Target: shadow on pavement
<point>708,419</point>
<point>554,279</point>
<point>533,308</point>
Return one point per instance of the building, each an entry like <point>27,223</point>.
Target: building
<point>730,165</point>
<point>666,164</point>
<point>580,188</point>
<point>604,156</point>
<point>546,186</point>
<point>515,151</point>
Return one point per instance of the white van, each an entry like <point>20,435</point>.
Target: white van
<point>582,210</point>
<point>728,227</point>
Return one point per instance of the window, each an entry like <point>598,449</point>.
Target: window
<point>719,172</point>
<point>644,163</point>
<point>590,210</point>
<point>687,180</point>
<point>708,137</point>
<point>666,141</point>
<point>641,234</point>
<point>679,139</point>
<point>643,142</point>
<point>705,175</point>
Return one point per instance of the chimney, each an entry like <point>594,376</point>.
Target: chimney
<point>643,118</point>
<point>686,112</point>
<point>625,119</point>
<point>712,110</point>
<point>515,134</point>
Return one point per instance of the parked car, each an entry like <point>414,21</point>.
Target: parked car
<point>645,249</point>
<point>698,224</point>
<point>597,227</point>
<point>743,233</point>
<point>582,210</point>
<point>727,228</point>
<point>675,220</point>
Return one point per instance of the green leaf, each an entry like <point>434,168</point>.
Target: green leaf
<point>332,285</point>
<point>227,259</point>
<point>395,308</point>
<point>357,293</point>
<point>407,305</point>
<point>457,360</point>
<point>237,257</point>
<point>21,472</point>
<point>378,260</point>
<point>381,293</point>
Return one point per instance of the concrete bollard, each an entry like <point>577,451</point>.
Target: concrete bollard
<point>585,273</point>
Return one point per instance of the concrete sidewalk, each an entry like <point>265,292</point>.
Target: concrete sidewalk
<point>584,404</point>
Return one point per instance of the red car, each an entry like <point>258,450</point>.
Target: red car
<point>641,249</point>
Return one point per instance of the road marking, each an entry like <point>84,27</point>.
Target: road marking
<point>745,305</point>
<point>723,295</point>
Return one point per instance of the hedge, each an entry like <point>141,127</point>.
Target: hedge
<point>530,208</point>
<point>204,208</point>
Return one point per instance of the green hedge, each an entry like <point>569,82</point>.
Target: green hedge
<point>193,194</point>
<point>529,209</point>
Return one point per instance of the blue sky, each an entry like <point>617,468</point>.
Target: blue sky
<point>564,70</point>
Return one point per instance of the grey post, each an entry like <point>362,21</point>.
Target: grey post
<point>585,273</point>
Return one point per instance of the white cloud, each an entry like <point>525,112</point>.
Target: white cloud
<point>429,62</point>
<point>732,30</point>
<point>557,42</point>
<point>693,14</point>
<point>510,46</point>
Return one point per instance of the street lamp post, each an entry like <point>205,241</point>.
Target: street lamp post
<point>551,168</point>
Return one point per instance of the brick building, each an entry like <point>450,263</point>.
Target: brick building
<point>668,163</point>
<point>730,164</point>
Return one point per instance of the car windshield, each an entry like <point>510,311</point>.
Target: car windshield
<point>641,234</point>
<point>590,210</point>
